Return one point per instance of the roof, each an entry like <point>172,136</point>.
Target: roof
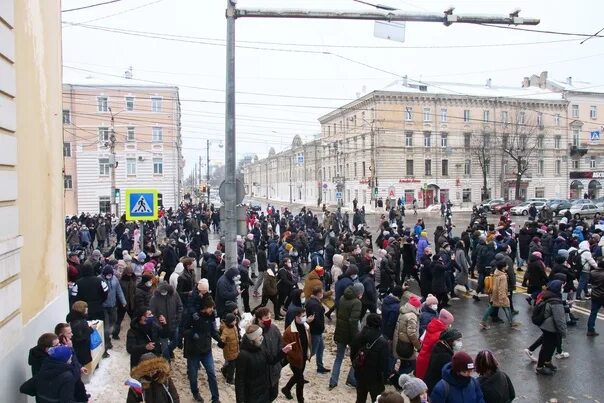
<point>90,80</point>
<point>577,86</point>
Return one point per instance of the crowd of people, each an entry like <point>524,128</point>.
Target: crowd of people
<point>386,292</point>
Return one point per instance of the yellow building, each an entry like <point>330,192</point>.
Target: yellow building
<point>33,289</point>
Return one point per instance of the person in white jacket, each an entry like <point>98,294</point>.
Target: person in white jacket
<point>174,276</point>
<point>587,264</point>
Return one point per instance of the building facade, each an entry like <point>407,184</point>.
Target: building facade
<point>137,127</point>
<point>431,142</point>
<point>585,125</point>
<point>33,284</point>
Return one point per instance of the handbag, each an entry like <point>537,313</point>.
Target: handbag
<point>95,339</point>
<point>404,349</point>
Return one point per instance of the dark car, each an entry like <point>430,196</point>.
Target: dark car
<point>558,204</point>
<point>500,208</point>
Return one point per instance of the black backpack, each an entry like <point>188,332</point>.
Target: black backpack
<point>538,315</point>
<point>358,363</point>
<point>576,261</point>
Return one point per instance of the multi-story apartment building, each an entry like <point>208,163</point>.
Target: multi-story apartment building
<point>435,141</point>
<point>585,125</point>
<point>141,124</point>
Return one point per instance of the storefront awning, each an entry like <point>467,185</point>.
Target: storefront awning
<point>594,184</point>
<point>576,185</point>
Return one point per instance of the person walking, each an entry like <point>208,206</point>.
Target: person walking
<point>370,359</point>
<point>297,334</point>
<point>406,344</point>
<point>597,298</point>
<point>495,384</point>
<point>457,384</point>
<point>553,326</point>
<point>499,296</point>
<point>314,308</point>
<point>269,290</point>
<point>165,303</point>
<point>450,342</point>
<point>115,296</point>
<point>587,264</point>
<point>348,316</point>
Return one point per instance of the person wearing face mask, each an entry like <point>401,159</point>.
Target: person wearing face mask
<point>165,303</point>
<point>272,345</point>
<point>414,389</point>
<point>115,295</point>
<point>285,283</point>
<point>295,301</point>
<point>227,289</point>
<point>350,276</point>
<point>425,272</point>
<point>56,381</point>
<point>450,342</point>
<point>457,384</point>
<point>370,296</point>
<point>406,342</point>
<point>254,367</point>
<point>428,312</point>
<point>143,293</point>
<point>144,335</point>
<point>297,334</point>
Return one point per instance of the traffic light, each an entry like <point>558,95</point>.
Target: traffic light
<point>116,194</point>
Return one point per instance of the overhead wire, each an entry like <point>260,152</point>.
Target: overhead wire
<point>89,6</point>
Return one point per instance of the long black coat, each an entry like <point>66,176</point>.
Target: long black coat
<point>252,373</point>
<point>198,335</point>
<point>139,335</point>
<point>524,239</point>
<point>376,368</point>
<point>439,278</point>
<point>81,336</point>
<point>92,290</point>
<point>441,354</point>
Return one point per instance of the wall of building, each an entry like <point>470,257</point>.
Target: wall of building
<point>33,299</point>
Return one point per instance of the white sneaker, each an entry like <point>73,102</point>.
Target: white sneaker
<point>530,355</point>
<point>562,355</point>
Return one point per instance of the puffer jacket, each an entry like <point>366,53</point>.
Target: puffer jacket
<point>348,317</point>
<point>497,387</point>
<point>55,382</point>
<point>461,389</point>
<point>226,290</point>
<point>499,296</point>
<point>597,282</point>
<point>170,306</point>
<point>158,387</point>
<point>426,315</point>
<point>407,330</point>
<point>253,373</point>
<point>269,285</point>
<point>555,317</point>
<point>433,331</point>
<point>390,312</point>
<point>230,338</point>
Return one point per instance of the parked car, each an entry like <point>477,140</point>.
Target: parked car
<point>581,201</point>
<point>523,208</point>
<point>582,209</point>
<point>537,199</point>
<point>558,204</point>
<point>490,202</point>
<point>506,206</point>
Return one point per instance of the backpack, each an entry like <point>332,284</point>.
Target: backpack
<point>488,284</point>
<point>358,363</point>
<point>538,315</point>
<point>576,262</point>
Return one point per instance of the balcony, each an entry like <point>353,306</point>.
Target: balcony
<point>578,151</point>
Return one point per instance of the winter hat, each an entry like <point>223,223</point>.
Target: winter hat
<point>382,253</point>
<point>431,300</point>
<point>538,254</point>
<point>141,257</point>
<point>230,306</point>
<point>289,247</point>
<point>415,302</point>
<point>250,236</point>
<point>450,334</point>
<point>559,276</point>
<point>536,239</point>
<point>229,318</point>
<point>246,263</point>
<point>423,233</point>
<point>338,260</point>
<point>358,289</point>
<point>352,270</point>
<point>461,361</point>
<point>397,291</point>
<point>60,353</point>
<point>203,285</point>
<point>320,271</point>
<point>563,252</point>
<point>107,270</point>
<point>232,273</point>
<point>446,317</point>
<point>96,254</point>
<point>412,387</point>
<point>373,320</point>
<point>163,287</point>
<point>555,286</point>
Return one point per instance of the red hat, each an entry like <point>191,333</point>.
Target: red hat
<point>415,302</point>
<point>461,362</point>
<point>320,271</point>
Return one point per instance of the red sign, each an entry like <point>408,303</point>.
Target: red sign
<point>408,180</point>
<point>364,181</point>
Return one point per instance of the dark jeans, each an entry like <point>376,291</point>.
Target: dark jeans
<point>443,300</point>
<point>110,320</point>
<point>372,389</point>
<point>193,365</point>
<point>121,313</point>
<point>168,345</point>
<point>298,380</point>
<point>245,297</point>
<point>539,342</point>
<point>317,349</point>
<point>265,299</point>
<point>280,302</point>
<point>547,348</point>
<point>228,370</point>
<point>591,322</point>
<point>480,281</point>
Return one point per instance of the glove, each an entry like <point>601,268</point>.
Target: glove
<point>221,344</point>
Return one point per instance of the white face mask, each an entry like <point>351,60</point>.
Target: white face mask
<point>302,300</point>
<point>148,283</point>
<point>434,307</point>
<point>164,293</point>
<point>303,319</point>
<point>457,345</point>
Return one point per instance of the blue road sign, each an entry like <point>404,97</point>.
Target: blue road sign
<point>141,204</point>
<point>595,135</point>
<point>338,195</point>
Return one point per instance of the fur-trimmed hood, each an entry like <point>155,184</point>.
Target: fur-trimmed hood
<point>155,369</point>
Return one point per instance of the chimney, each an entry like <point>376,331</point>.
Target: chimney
<point>128,73</point>
<point>405,81</point>
<point>489,81</point>
<point>543,79</point>
<point>569,80</point>
<point>526,82</point>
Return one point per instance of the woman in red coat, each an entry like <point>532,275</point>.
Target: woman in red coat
<point>431,337</point>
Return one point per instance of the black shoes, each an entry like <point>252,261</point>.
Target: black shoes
<point>323,370</point>
<point>197,397</point>
<point>287,393</point>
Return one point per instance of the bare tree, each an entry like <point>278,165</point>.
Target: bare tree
<point>520,142</point>
<point>480,150</point>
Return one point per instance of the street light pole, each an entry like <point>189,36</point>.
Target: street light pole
<point>114,202</point>
<point>208,169</point>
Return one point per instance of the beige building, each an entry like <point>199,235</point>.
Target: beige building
<point>142,122</point>
<point>421,141</point>
<point>33,284</point>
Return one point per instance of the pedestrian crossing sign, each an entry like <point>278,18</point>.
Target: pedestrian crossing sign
<point>141,204</point>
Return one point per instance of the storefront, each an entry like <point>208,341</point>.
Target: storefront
<point>576,189</point>
<point>586,182</point>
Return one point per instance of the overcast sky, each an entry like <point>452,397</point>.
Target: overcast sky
<point>292,87</point>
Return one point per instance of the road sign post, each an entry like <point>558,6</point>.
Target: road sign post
<point>141,204</point>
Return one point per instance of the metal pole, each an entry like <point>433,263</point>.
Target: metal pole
<point>208,170</point>
<point>114,202</point>
<point>230,208</point>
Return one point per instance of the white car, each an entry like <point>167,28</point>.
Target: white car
<point>491,202</point>
<point>523,209</point>
<point>582,209</point>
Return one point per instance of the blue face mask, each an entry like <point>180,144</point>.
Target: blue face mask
<point>149,320</point>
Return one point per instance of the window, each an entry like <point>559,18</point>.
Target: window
<point>427,139</point>
<point>444,167</point>
<point>102,104</point>
<point>540,140</point>
<point>467,167</point>
<point>466,195</point>
<point>444,140</point>
<point>66,149</point>
<point>408,139</point>
<point>156,104</point>
<point>467,140</point>
<point>557,120</point>
<point>409,167</point>
<point>487,166</point>
<point>131,166</point>
<point>504,118</point>
<point>443,115</point>
<point>504,141</point>
<point>592,162</point>
<point>540,192</point>
<point>557,141</point>
<point>485,116</point>
<point>409,196</point>
<point>521,118</point>
<point>486,140</point>
<point>103,136</point>
<point>574,110</point>
<point>540,167</point>
<point>130,134</point>
<point>66,116</point>
<point>576,137</point>
<point>428,167</point>
<point>157,135</point>
<point>593,112</point>
<point>466,115</point>
<point>540,119</point>
<point>355,169</point>
<point>67,182</point>
<point>575,164</point>
<point>158,166</point>
<point>104,204</point>
<point>129,103</point>
<point>408,114</point>
<point>427,114</point>
<point>364,172</point>
<point>558,167</point>
<point>104,166</point>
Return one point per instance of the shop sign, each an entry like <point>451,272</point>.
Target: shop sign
<point>408,180</point>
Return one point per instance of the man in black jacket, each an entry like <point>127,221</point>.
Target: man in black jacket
<point>144,335</point>
<point>92,290</point>
<point>314,308</point>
